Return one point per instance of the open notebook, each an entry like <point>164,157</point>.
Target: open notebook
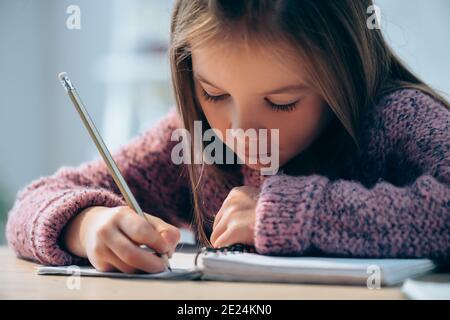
<point>240,263</point>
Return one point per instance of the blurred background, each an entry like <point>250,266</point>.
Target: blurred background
<point>118,62</point>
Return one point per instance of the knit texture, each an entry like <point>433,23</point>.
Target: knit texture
<point>396,202</point>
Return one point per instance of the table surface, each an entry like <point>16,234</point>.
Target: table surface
<point>18,280</point>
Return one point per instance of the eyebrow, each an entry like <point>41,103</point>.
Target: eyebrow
<point>288,88</point>
<point>202,79</point>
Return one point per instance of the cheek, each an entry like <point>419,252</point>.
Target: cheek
<point>217,121</point>
<point>216,116</point>
<point>304,127</point>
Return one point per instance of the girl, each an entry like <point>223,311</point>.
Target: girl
<point>364,149</point>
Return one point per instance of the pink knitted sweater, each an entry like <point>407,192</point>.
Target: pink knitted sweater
<point>393,202</point>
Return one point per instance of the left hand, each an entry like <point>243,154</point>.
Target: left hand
<point>235,221</point>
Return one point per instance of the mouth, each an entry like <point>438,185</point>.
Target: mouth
<point>254,155</point>
<point>245,153</point>
<point>257,156</point>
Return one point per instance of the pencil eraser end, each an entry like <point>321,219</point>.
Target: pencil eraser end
<point>62,75</point>
<point>65,81</point>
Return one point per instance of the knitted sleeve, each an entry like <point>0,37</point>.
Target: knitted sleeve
<point>297,215</point>
<point>44,207</point>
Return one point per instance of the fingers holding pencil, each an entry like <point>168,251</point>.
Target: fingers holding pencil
<point>114,237</point>
<point>107,157</point>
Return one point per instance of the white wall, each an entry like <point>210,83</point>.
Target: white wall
<point>39,129</point>
<point>419,31</point>
<point>38,126</point>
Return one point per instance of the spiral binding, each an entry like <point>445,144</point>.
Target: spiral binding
<point>237,247</point>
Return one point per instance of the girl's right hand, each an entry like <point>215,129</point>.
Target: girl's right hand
<point>110,239</point>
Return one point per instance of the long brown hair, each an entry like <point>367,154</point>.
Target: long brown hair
<point>349,64</point>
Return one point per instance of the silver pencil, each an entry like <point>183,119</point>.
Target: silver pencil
<point>106,155</point>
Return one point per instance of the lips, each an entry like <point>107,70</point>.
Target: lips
<point>247,153</point>
<point>257,155</point>
<point>244,150</point>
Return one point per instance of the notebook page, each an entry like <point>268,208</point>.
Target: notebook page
<point>175,274</point>
<point>256,267</point>
<point>251,259</point>
<point>182,265</point>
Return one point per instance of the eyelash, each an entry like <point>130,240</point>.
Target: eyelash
<point>277,107</point>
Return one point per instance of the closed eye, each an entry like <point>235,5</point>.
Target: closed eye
<point>283,107</point>
<point>274,106</point>
<point>209,97</point>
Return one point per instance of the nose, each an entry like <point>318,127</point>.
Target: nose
<point>245,125</point>
<point>244,118</point>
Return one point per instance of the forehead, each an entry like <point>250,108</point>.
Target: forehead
<point>236,62</point>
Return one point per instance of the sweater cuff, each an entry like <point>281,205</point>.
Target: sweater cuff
<point>285,214</point>
<point>51,220</point>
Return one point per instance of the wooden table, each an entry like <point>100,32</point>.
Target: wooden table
<point>18,280</point>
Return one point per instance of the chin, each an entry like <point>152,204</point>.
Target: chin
<point>258,166</point>
<point>255,164</point>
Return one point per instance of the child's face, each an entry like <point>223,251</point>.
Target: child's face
<point>247,80</point>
